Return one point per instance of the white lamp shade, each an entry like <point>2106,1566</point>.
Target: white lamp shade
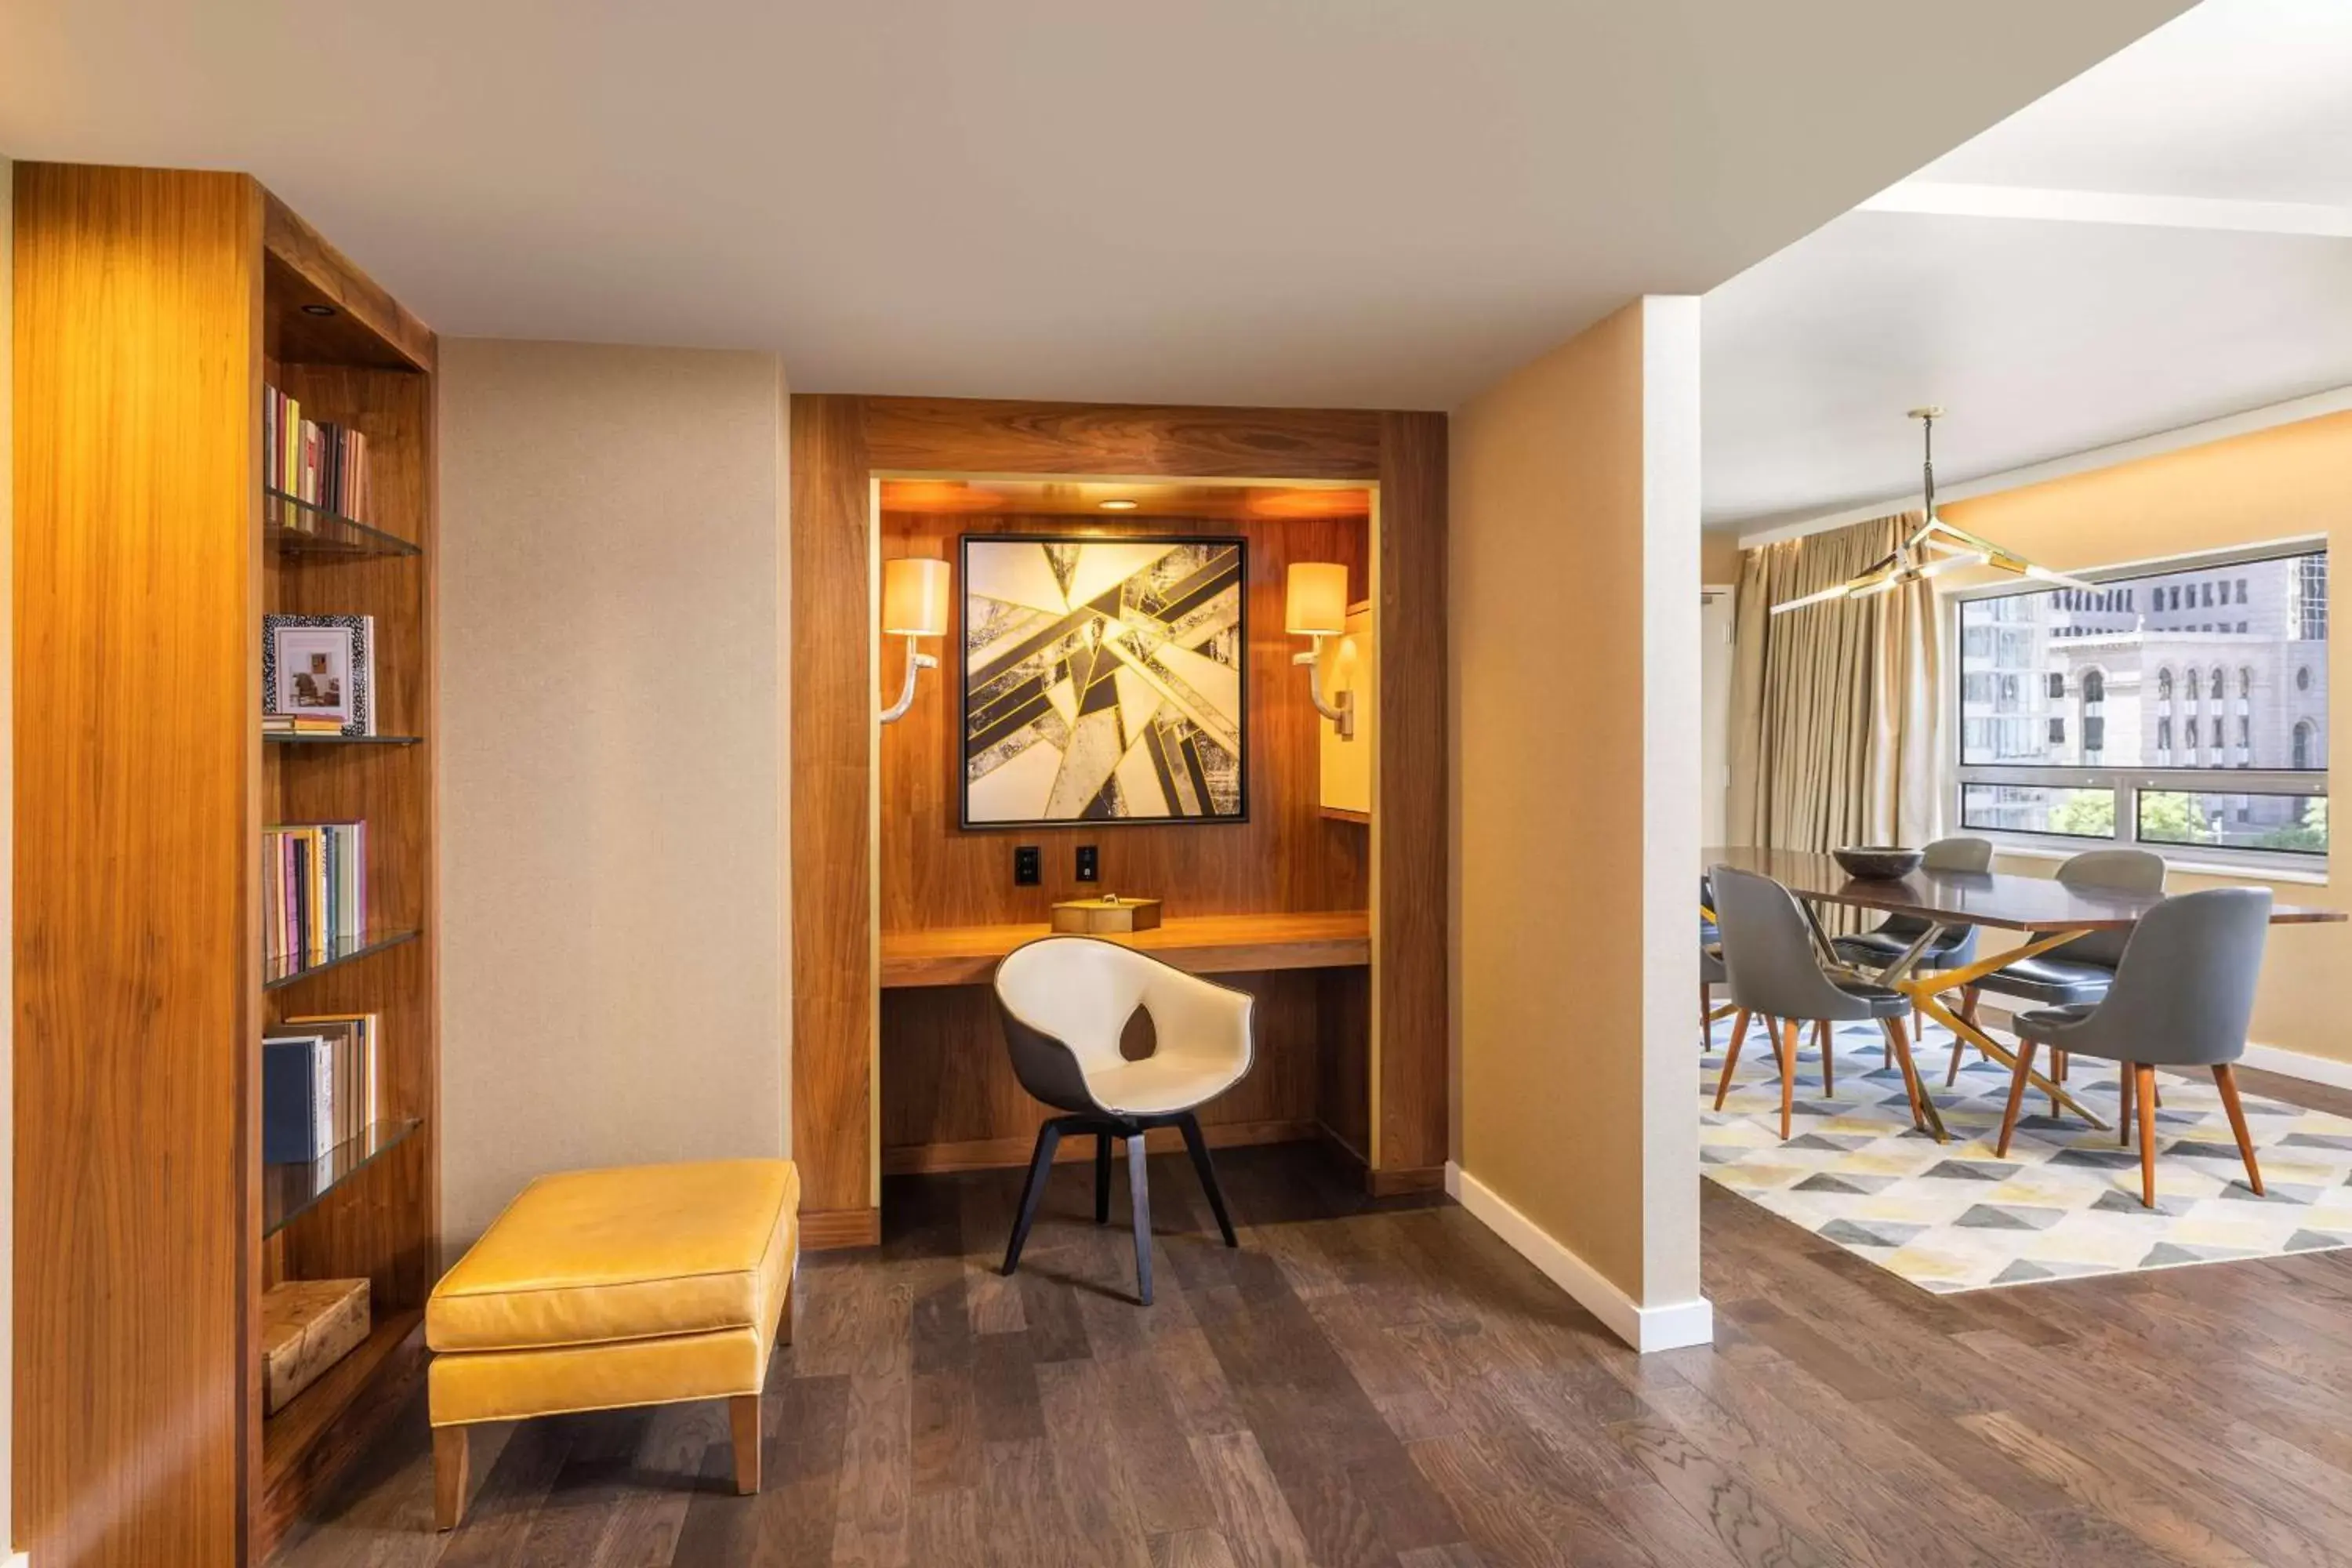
<point>1316,603</point>
<point>915,598</point>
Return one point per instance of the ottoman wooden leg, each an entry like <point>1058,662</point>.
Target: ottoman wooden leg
<point>448,1476</point>
<point>785,1318</point>
<point>743,1419</point>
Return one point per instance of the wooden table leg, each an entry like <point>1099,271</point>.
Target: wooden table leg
<point>1999,1052</point>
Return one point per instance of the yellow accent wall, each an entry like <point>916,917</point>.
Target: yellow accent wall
<point>2288,482</point>
<point>1574,637</point>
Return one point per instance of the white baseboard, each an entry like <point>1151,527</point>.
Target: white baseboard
<point>1646,1329</point>
<point>2298,1064</point>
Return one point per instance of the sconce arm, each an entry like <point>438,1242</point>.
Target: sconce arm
<point>916,660</point>
<point>1343,713</point>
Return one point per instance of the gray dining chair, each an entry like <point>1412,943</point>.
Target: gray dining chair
<point>2182,997</point>
<point>1064,1002</point>
<point>1711,961</point>
<point>2081,971</point>
<point>1889,939</point>
<point>1775,972</point>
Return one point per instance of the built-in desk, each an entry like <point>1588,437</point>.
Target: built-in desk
<point>1205,944</point>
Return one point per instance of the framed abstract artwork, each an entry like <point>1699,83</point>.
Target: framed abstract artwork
<point>1104,679</point>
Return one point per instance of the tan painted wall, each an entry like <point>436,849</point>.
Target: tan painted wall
<point>2293,481</point>
<point>1575,506</point>
<point>611,681</point>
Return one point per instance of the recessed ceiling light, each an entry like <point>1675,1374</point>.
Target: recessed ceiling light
<point>1117,505</point>
<point>318,310</point>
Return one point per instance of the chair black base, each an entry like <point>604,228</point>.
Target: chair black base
<point>1131,1129</point>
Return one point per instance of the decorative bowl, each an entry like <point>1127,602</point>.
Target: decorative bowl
<point>1878,862</point>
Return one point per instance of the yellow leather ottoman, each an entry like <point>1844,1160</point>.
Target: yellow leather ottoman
<point>595,1290</point>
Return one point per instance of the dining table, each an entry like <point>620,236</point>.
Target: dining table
<point>2046,913</point>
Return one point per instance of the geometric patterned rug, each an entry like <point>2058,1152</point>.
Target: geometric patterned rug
<point>2066,1203</point>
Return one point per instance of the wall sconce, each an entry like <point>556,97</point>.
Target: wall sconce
<point>914,604</point>
<point>1314,605</point>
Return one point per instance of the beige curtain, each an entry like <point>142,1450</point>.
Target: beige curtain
<point>1836,711</point>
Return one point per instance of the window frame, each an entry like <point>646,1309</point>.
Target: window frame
<point>2127,784</point>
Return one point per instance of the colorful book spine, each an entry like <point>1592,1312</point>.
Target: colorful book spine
<point>322,464</point>
<point>313,889</point>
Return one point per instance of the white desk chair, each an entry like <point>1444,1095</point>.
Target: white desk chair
<point>1065,1001</point>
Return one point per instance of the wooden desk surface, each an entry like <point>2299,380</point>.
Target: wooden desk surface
<point>1205,944</point>
<point>1997,899</point>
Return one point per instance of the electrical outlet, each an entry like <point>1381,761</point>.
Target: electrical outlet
<point>1028,865</point>
<point>1089,864</point>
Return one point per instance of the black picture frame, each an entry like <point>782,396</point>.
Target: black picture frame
<point>959,652</point>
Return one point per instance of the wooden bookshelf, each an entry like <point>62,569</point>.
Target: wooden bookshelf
<point>151,308</point>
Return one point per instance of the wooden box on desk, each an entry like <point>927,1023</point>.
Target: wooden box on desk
<point>306,1326</point>
<point>1107,916</point>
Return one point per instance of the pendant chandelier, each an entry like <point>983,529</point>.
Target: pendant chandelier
<point>1932,548</point>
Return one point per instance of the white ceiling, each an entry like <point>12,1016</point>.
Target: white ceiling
<point>2047,336</point>
<point>1342,202</point>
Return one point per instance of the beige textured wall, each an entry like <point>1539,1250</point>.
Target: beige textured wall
<point>2293,481</point>
<point>1575,505</point>
<point>613,983</point>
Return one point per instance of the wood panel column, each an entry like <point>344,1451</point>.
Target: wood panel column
<point>1409,894</point>
<point>833,772</point>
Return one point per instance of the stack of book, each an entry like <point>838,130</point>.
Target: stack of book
<point>325,465</point>
<point>297,724</point>
<point>320,1085</point>
<point>313,888</point>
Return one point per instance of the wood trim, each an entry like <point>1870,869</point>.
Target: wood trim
<point>1345,813</point>
<point>1409,1013</point>
<point>1395,1181</point>
<point>138,395</point>
<point>833,721</point>
<point>1210,944</point>
<point>982,436</point>
<point>828,1230</point>
<point>323,268</point>
<point>1013,1154</point>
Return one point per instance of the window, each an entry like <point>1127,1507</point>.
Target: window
<point>2057,732</point>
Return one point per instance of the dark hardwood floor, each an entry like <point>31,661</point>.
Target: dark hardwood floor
<point>1387,1383</point>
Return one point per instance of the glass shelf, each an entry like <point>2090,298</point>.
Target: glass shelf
<point>284,969</point>
<point>293,527</point>
<point>283,738</point>
<point>290,1191</point>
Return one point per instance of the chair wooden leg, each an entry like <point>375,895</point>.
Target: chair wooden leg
<point>2057,1077</point>
<point>1706,1006</point>
<point>2144,1087</point>
<point>1041,1164</point>
<point>1899,1045</point>
<point>2016,1096</point>
<point>1967,1017</point>
<point>1824,1042</point>
<point>1138,1192</point>
<point>2123,1104</point>
<point>2225,1078</point>
<point>1198,1146</point>
<point>743,1427</point>
<point>1102,1178</point>
<point>1787,1050</point>
<point>1731,1058</point>
<point>449,1460</point>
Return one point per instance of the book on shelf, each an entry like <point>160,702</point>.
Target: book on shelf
<point>320,1086</point>
<point>323,464</point>
<point>313,888</point>
<point>298,724</point>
